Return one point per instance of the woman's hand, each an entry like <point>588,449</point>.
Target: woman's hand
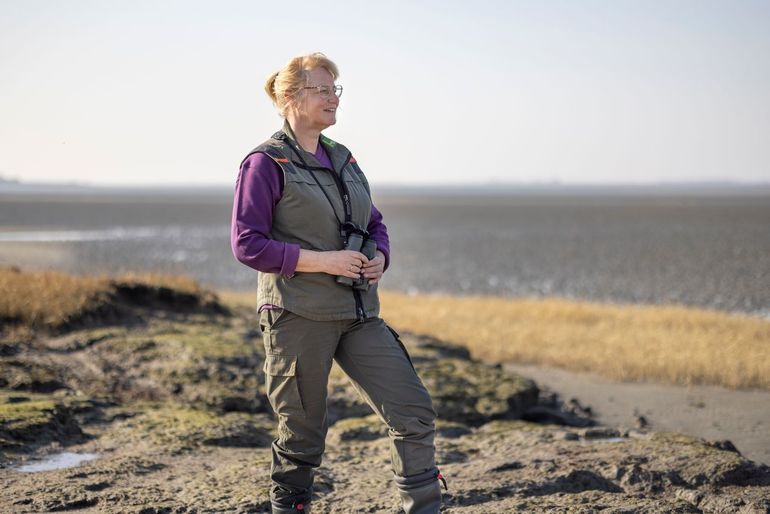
<point>346,263</point>
<point>374,269</point>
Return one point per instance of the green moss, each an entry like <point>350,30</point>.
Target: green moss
<point>210,341</point>
<point>17,416</point>
<point>173,428</point>
<point>28,420</point>
<point>693,447</point>
<point>472,392</point>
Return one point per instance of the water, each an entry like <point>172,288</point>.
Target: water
<point>606,440</point>
<point>57,461</point>
<point>710,250</point>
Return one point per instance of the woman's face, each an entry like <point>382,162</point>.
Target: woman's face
<point>313,109</point>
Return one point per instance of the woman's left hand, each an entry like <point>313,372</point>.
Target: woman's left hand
<point>374,269</point>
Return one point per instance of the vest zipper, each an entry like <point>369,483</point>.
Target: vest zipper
<point>360,313</point>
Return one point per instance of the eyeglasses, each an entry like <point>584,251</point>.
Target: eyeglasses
<point>325,91</point>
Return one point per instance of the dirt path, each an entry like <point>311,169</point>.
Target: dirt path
<point>713,413</point>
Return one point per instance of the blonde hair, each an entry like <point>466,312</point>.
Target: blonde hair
<point>283,86</point>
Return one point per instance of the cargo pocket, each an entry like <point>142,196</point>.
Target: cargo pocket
<point>282,385</point>
<point>398,340</point>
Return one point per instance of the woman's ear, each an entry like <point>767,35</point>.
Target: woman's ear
<point>292,100</point>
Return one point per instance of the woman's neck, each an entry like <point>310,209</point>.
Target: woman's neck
<point>307,137</point>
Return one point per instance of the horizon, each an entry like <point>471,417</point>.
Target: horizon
<point>9,184</point>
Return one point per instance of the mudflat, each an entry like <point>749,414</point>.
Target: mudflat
<point>160,392</point>
<point>709,412</point>
<point>661,246</point>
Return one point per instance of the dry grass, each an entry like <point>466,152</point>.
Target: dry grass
<point>180,283</point>
<point>51,299</point>
<point>47,297</point>
<point>671,344</point>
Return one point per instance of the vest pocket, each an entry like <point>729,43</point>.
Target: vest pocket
<point>282,385</point>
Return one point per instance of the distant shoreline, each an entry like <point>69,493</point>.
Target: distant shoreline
<point>708,189</point>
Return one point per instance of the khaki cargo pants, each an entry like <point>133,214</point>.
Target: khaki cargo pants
<point>299,355</point>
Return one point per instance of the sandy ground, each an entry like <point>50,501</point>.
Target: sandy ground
<point>713,413</point>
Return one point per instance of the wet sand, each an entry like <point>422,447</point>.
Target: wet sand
<point>713,413</point>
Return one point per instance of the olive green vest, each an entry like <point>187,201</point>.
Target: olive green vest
<point>307,217</point>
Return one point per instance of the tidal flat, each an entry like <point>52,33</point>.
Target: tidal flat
<point>657,245</point>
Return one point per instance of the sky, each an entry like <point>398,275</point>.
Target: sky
<point>436,92</point>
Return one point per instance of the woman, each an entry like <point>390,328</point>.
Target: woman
<point>302,210</point>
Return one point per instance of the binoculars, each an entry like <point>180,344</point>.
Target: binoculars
<point>357,239</point>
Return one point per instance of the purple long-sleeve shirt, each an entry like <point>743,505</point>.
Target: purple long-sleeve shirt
<point>258,189</point>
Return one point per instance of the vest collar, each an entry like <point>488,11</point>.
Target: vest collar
<point>338,154</point>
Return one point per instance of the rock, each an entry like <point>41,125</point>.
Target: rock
<point>550,409</point>
<point>724,445</point>
<point>558,416</point>
<point>600,433</point>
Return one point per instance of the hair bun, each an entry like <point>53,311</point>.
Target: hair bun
<point>270,86</point>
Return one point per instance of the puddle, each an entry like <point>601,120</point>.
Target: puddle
<point>56,461</point>
<point>606,440</point>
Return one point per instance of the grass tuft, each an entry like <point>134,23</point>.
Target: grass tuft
<point>53,300</point>
<point>47,298</point>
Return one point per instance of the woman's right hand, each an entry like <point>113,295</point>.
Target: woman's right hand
<point>346,263</point>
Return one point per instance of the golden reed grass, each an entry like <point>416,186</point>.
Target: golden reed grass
<point>672,344</point>
<point>47,297</point>
<point>51,298</point>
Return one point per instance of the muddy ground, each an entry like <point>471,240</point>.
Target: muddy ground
<point>171,406</point>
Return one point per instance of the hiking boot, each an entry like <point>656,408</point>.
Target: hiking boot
<point>421,493</point>
<point>297,508</point>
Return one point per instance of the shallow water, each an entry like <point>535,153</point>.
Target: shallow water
<point>57,461</point>
<point>606,440</point>
<point>710,251</point>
